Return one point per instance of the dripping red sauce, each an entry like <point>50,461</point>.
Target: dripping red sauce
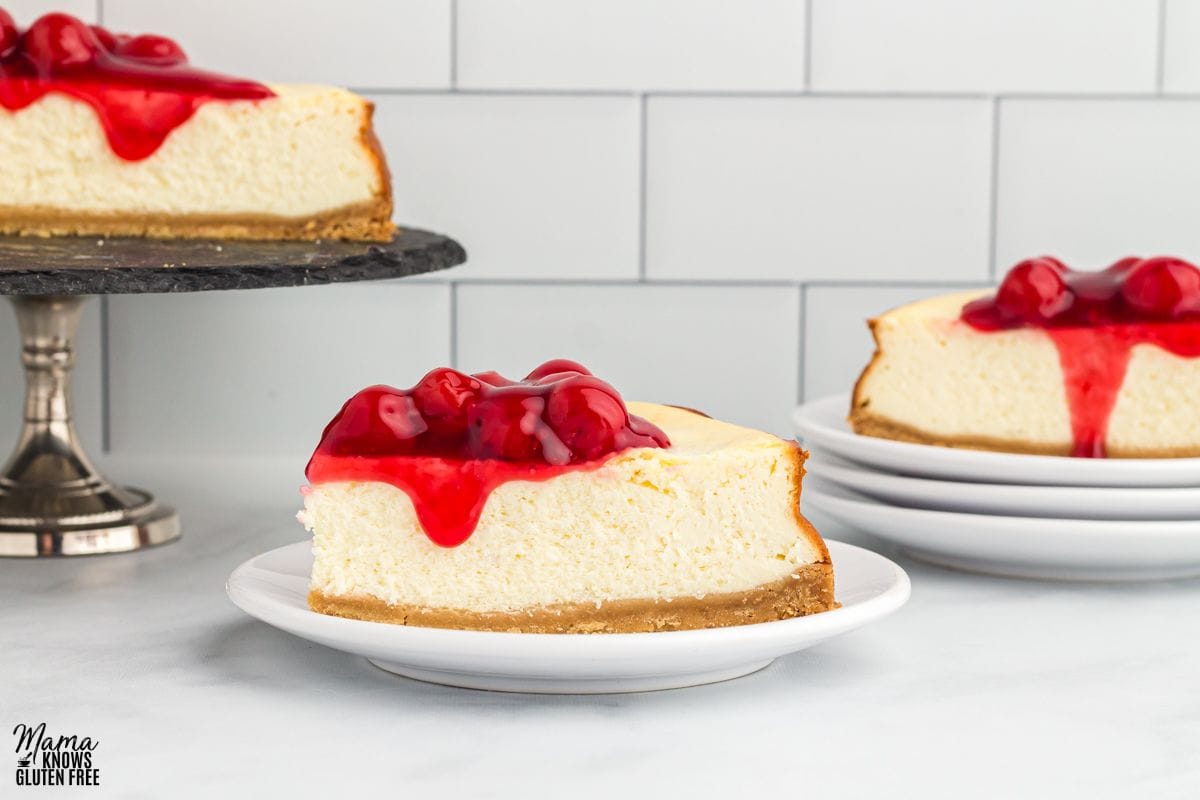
<point>141,87</point>
<point>1095,319</point>
<point>453,438</point>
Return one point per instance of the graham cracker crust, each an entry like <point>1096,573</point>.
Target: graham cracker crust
<point>868,425</point>
<point>361,222</point>
<point>808,591</point>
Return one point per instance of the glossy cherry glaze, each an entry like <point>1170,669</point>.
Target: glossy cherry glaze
<point>140,87</point>
<point>1095,319</point>
<point>453,438</point>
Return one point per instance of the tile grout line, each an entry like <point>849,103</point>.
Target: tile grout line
<point>808,42</point>
<point>994,190</point>
<point>643,134</point>
<point>99,12</point>
<point>781,94</point>
<point>105,379</point>
<point>454,324</point>
<point>803,344</point>
<point>600,283</point>
<point>453,45</point>
<point>1160,65</point>
<point>752,94</point>
<point>895,284</point>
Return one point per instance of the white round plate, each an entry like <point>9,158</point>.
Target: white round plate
<point>1024,547</point>
<point>822,424</point>
<point>1077,502</point>
<point>274,585</point>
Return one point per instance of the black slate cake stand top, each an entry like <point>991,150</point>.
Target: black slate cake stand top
<point>52,500</point>
<point>88,265</point>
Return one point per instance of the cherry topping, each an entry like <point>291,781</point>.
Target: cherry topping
<point>140,87</point>
<point>1035,289</point>
<point>556,366</point>
<point>399,413</point>
<point>492,378</point>
<point>60,41</point>
<point>453,438</point>
<point>1122,266</point>
<point>443,397</point>
<point>1163,287</point>
<point>157,49</point>
<point>375,422</point>
<point>10,37</point>
<point>586,414</point>
<point>1041,292</point>
<point>504,426</point>
<point>562,414</point>
<point>105,37</point>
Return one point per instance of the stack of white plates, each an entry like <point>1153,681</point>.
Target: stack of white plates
<point>1005,513</point>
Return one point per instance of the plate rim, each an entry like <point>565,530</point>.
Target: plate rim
<point>1106,526</point>
<point>1044,489</point>
<point>841,619</point>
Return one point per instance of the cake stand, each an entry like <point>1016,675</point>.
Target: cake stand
<point>53,502</point>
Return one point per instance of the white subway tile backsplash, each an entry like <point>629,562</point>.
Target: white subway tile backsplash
<point>631,44</point>
<point>262,372</point>
<point>1092,181</point>
<point>359,43</point>
<point>520,133</point>
<point>26,11</point>
<point>732,352</point>
<point>984,45</point>
<point>87,380</point>
<point>839,344</point>
<point>1181,53</point>
<point>533,186</point>
<point>786,188</point>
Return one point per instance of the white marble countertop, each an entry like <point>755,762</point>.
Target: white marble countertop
<point>979,688</point>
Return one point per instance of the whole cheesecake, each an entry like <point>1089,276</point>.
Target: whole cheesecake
<point>108,134</point>
<point>547,505</point>
<point>1055,361</point>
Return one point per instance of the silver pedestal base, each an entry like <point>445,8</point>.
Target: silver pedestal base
<point>53,502</point>
<point>144,524</point>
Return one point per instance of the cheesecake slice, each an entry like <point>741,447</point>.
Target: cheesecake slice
<point>555,508</point>
<point>1055,362</point>
<point>106,134</point>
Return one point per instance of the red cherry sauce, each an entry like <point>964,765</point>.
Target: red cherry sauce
<point>1095,319</point>
<point>140,87</point>
<point>451,439</point>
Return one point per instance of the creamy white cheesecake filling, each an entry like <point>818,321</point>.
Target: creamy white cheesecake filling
<point>713,514</point>
<point>293,155</point>
<point>1156,409</point>
<point>939,376</point>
